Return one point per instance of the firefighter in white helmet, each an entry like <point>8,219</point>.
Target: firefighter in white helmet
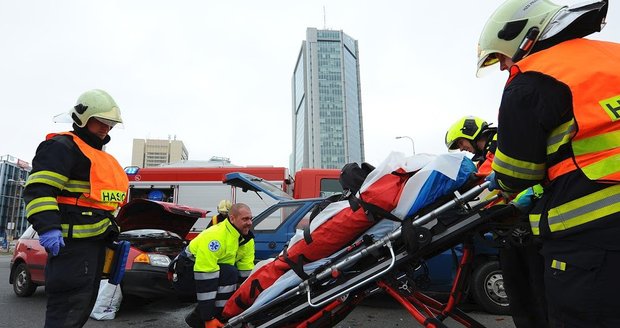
<point>559,125</point>
<point>71,196</point>
<point>222,212</point>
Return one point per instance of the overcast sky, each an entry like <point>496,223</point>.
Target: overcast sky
<point>217,74</point>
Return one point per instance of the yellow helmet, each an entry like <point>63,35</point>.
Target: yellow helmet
<point>513,29</point>
<point>468,127</point>
<point>224,206</point>
<point>93,103</point>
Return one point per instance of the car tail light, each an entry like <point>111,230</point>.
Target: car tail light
<point>142,258</point>
<point>158,260</point>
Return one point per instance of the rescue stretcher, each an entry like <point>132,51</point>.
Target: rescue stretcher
<point>382,260</point>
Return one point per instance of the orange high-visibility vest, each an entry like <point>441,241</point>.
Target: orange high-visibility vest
<point>108,181</point>
<point>591,69</point>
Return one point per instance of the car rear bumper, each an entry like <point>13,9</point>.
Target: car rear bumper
<point>147,281</point>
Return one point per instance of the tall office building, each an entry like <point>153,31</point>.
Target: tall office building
<point>154,152</point>
<point>327,106</point>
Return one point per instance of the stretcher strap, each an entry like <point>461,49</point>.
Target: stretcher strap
<point>307,235</point>
<point>297,266</point>
<point>255,290</point>
<point>373,212</point>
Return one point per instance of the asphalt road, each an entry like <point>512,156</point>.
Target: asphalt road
<point>17,312</point>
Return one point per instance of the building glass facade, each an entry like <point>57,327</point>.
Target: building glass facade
<point>327,113</point>
<point>13,175</point>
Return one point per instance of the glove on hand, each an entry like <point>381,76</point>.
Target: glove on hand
<point>52,241</point>
<point>213,323</point>
<point>494,184</point>
<point>523,201</point>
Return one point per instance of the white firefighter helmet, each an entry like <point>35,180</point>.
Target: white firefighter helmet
<point>514,28</point>
<point>93,104</point>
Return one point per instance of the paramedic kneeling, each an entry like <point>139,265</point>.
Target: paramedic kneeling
<point>223,256</point>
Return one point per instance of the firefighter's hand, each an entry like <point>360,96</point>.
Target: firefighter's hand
<point>213,323</point>
<point>523,201</point>
<point>494,185</point>
<point>52,241</point>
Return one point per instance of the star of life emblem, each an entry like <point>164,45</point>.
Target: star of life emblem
<point>214,245</point>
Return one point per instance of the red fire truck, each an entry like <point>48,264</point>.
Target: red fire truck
<point>202,187</point>
<point>316,183</point>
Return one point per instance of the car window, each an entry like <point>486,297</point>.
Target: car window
<point>275,218</point>
<point>303,223</point>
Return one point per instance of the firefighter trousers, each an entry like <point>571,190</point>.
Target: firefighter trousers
<point>522,270</point>
<point>72,281</point>
<point>582,285</point>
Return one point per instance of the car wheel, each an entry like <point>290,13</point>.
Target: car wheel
<point>488,288</point>
<point>23,285</point>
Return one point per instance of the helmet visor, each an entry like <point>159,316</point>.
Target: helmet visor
<point>110,123</point>
<point>486,64</point>
<point>62,118</point>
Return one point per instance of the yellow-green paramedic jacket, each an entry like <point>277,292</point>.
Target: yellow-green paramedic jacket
<point>220,245</point>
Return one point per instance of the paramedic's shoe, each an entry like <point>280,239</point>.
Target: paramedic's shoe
<point>214,323</point>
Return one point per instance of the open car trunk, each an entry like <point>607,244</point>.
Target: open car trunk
<point>150,214</point>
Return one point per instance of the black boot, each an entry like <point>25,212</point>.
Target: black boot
<point>193,319</point>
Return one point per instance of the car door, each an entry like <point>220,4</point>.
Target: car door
<point>275,226</point>
<point>35,256</point>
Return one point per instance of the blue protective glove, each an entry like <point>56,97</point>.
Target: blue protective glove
<point>494,184</point>
<point>524,200</point>
<point>52,241</point>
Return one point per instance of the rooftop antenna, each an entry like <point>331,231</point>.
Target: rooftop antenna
<point>324,19</point>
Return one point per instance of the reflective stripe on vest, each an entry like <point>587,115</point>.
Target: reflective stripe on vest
<point>596,106</point>
<point>108,183</point>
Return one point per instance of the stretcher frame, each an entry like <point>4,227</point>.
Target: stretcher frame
<point>327,306</point>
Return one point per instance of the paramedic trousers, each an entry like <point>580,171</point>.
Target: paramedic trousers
<point>72,281</point>
<point>229,276</point>
<point>584,291</point>
<point>522,270</point>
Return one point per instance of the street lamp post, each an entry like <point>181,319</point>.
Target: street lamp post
<point>410,139</point>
